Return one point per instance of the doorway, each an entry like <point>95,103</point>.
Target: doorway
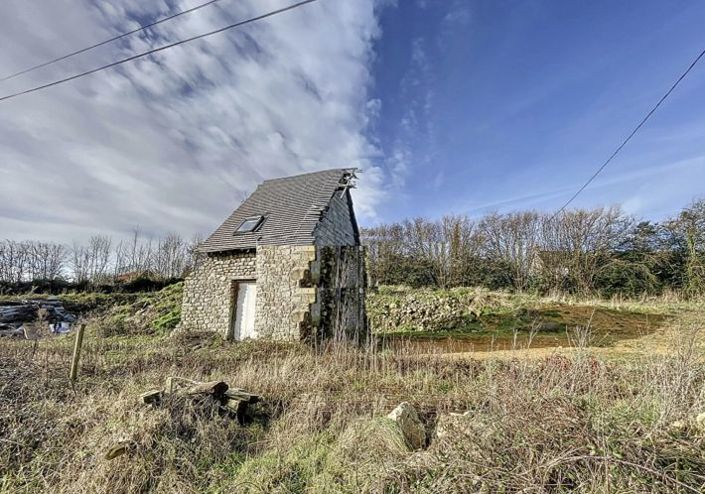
<point>242,321</point>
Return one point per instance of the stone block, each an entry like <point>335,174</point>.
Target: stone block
<point>410,425</point>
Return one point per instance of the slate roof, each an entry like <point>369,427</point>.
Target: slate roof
<point>292,207</point>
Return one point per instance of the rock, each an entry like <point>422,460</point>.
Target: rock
<point>410,425</point>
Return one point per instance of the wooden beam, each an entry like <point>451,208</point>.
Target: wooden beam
<point>77,353</point>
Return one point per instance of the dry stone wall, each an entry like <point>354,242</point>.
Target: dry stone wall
<point>394,309</point>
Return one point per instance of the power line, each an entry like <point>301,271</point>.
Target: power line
<point>155,50</point>
<point>636,129</point>
<point>120,36</point>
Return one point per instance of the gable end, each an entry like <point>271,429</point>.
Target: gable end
<point>337,224</point>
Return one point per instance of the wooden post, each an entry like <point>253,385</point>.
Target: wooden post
<point>77,353</point>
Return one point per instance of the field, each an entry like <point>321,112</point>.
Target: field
<point>561,395</point>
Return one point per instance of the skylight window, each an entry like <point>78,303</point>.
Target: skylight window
<point>250,224</point>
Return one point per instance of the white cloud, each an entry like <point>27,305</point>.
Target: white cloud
<point>174,141</point>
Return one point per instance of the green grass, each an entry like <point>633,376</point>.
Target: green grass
<point>154,312</point>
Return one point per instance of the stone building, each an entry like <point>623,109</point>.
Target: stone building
<point>286,265</point>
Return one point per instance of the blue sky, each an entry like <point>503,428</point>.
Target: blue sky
<point>513,104</point>
<point>449,107</point>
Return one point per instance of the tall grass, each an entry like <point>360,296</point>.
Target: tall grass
<point>565,423</point>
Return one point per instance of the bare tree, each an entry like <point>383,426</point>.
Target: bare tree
<point>14,261</point>
<point>193,256</point>
<point>45,260</point>
<point>512,239</point>
<point>96,260</point>
<point>134,255</point>
<point>170,256</point>
<point>91,262</point>
<point>458,245</point>
<point>437,251</point>
<point>385,248</point>
<point>688,230</point>
<point>578,242</point>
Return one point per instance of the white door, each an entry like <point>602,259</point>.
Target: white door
<point>244,320</point>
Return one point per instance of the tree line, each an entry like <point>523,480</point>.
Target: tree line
<point>600,251</point>
<point>100,260</point>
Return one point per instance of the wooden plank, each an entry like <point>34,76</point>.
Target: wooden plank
<point>215,388</point>
<point>238,408</point>
<point>172,384</point>
<point>153,397</point>
<point>240,394</point>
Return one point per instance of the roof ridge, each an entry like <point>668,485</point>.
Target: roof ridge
<point>328,170</point>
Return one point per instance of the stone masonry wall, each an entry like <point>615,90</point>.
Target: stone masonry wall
<point>207,302</point>
<point>284,291</point>
<point>303,292</point>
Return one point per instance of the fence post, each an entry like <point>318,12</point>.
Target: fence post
<point>77,353</point>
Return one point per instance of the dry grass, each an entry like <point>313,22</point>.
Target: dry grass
<point>561,423</point>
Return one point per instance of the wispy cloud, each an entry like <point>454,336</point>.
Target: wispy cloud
<point>416,122</point>
<point>646,191</point>
<point>173,141</point>
<point>457,16</point>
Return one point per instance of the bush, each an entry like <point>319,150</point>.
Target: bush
<point>625,278</point>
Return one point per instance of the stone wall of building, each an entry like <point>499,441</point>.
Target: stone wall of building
<point>208,293</point>
<point>341,281</point>
<point>304,292</point>
<point>284,291</point>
